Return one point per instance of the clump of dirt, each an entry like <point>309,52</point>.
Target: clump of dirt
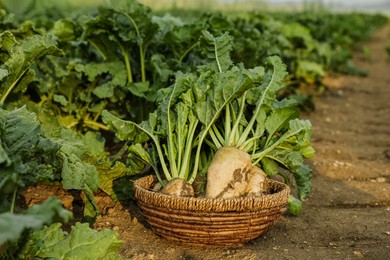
<point>347,214</point>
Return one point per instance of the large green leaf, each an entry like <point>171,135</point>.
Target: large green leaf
<point>217,50</point>
<point>21,56</point>
<point>278,119</point>
<point>32,153</point>
<point>81,243</point>
<point>77,173</point>
<point>127,130</point>
<point>218,91</point>
<point>12,225</point>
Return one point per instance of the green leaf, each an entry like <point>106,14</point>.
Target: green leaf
<point>21,56</point>
<point>104,91</point>
<point>5,161</point>
<point>64,29</point>
<point>32,153</point>
<point>108,174</point>
<point>137,160</point>
<point>12,226</point>
<point>272,81</point>
<point>217,50</point>
<point>225,87</point>
<point>81,243</point>
<point>95,143</point>
<point>140,133</point>
<point>278,119</point>
<point>295,31</point>
<point>76,172</point>
<point>309,71</point>
<point>127,130</point>
<point>60,99</point>
<point>3,73</point>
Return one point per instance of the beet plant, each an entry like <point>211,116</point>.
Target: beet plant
<point>229,111</point>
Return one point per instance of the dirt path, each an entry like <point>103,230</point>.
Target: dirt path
<point>347,215</point>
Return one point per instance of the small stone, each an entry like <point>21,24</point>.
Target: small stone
<point>381,179</point>
<point>115,228</point>
<point>134,222</point>
<point>358,253</point>
<point>110,211</point>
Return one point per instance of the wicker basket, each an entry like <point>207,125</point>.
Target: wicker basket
<point>216,222</point>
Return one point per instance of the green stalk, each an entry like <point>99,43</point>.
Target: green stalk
<point>237,122</point>
<point>286,178</point>
<point>161,156</point>
<point>203,135</point>
<point>187,51</point>
<point>11,87</point>
<point>93,125</point>
<point>228,122</point>
<point>127,63</point>
<point>120,153</point>
<point>260,155</point>
<point>246,132</point>
<point>217,133</point>
<point>214,136</point>
<point>141,51</point>
<point>216,57</point>
<point>142,58</point>
<point>13,200</point>
<point>100,51</point>
<point>171,154</point>
<point>250,143</point>
<point>95,118</point>
<point>184,170</point>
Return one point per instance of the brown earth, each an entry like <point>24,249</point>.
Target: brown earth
<point>347,215</point>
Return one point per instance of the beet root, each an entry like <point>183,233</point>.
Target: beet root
<point>231,174</point>
<point>178,187</point>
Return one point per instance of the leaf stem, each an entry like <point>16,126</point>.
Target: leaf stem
<point>92,124</point>
<point>228,122</point>
<point>214,136</point>
<point>235,131</point>
<point>187,51</point>
<point>257,157</point>
<point>13,200</point>
<point>141,50</point>
<point>11,87</point>
<point>127,63</point>
<point>216,56</point>
<point>245,134</point>
<point>184,170</point>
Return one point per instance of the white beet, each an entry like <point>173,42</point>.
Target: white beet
<point>256,182</point>
<point>179,187</point>
<point>231,174</point>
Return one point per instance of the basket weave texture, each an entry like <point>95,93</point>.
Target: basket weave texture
<point>214,222</point>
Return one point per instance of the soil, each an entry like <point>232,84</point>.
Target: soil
<point>347,215</point>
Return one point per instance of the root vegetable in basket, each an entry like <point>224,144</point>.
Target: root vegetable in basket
<point>178,187</point>
<point>231,174</point>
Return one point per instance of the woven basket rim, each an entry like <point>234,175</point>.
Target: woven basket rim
<point>278,198</point>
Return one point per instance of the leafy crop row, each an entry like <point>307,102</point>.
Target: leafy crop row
<point>61,69</point>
